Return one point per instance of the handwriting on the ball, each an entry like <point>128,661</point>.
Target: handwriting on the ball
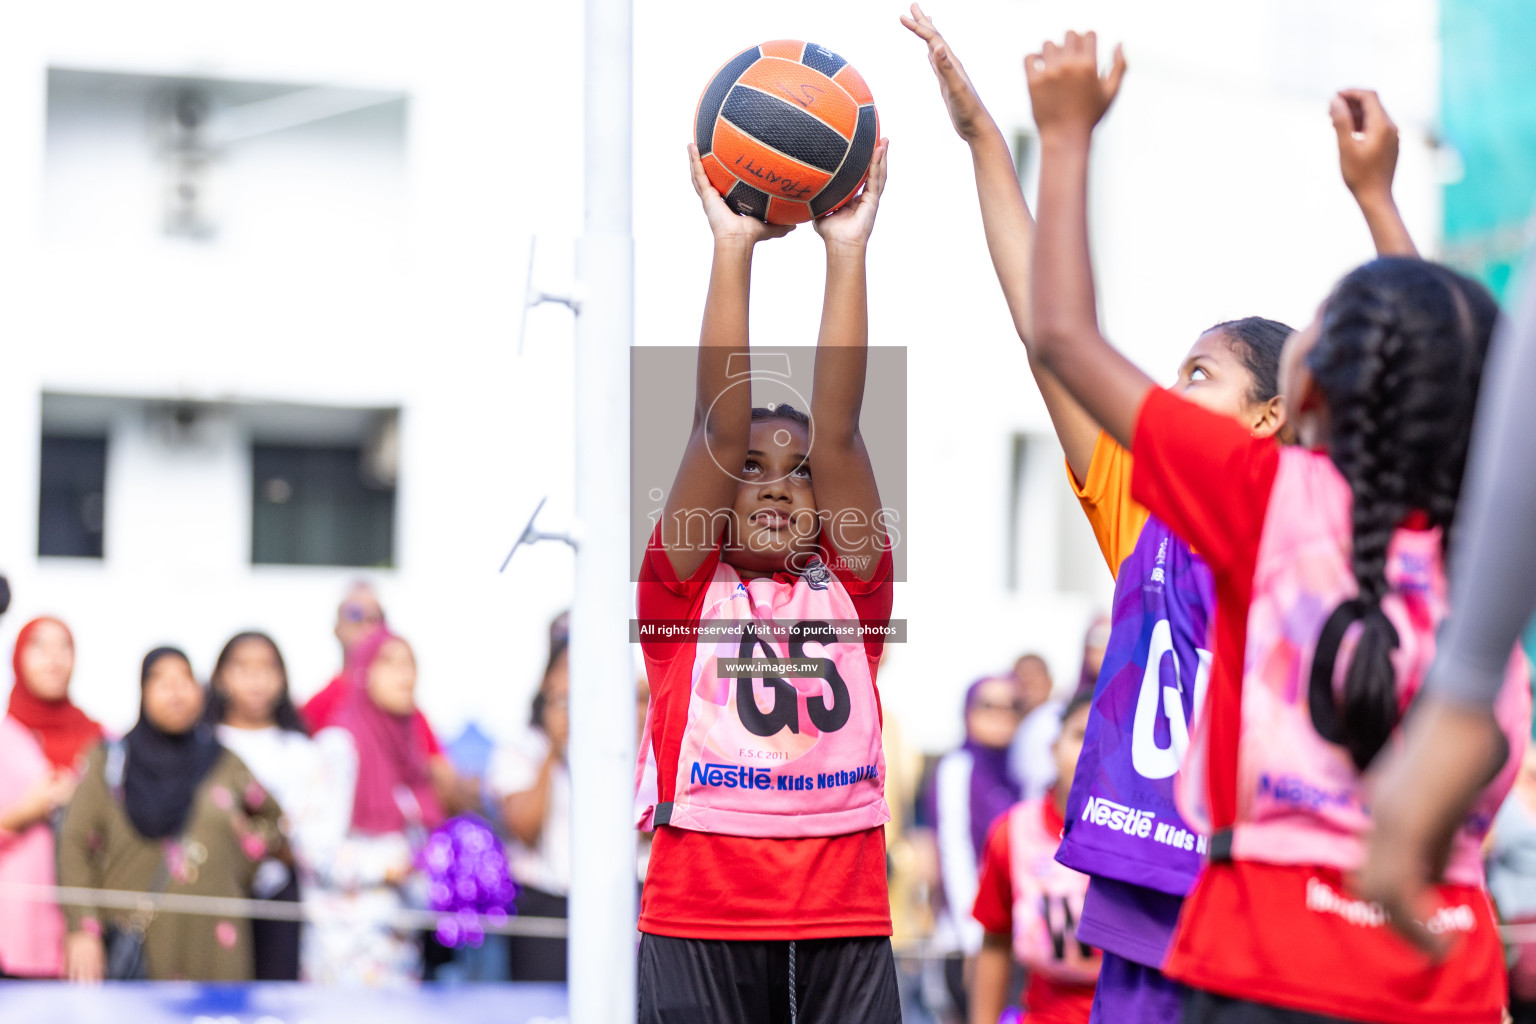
<point>783,184</point>
<point>807,93</point>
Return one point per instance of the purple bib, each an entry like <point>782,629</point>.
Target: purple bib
<point>1121,822</point>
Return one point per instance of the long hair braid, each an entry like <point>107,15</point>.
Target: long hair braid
<point>1398,361</point>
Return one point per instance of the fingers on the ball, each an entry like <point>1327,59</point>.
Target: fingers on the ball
<point>876,179</point>
<point>701,182</point>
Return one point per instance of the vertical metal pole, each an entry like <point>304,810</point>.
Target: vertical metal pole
<point>602,742</point>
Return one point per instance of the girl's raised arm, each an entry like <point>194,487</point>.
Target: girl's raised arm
<point>1069,97</point>
<point>699,505</point>
<point>847,498</point>
<point>1367,161</point>
<point>1009,228</point>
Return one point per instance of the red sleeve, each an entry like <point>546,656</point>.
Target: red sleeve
<point>994,891</point>
<point>872,598</point>
<point>321,708</point>
<point>1205,476</point>
<point>661,596</point>
<point>425,736</point>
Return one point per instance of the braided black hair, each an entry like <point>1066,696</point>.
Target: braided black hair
<point>1398,360</point>
<point>559,645</point>
<point>1257,342</point>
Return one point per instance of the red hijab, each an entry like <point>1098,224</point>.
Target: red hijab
<point>391,762</point>
<point>64,731</point>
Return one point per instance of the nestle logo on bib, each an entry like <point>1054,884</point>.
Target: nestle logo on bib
<point>1118,817</point>
<point>729,776</point>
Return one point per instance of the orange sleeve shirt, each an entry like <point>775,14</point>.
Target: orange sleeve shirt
<point>1115,516</point>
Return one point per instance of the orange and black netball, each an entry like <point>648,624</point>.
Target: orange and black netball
<point>786,131</point>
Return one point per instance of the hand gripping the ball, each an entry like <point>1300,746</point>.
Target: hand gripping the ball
<point>1068,93</point>
<point>850,225</point>
<point>727,225</point>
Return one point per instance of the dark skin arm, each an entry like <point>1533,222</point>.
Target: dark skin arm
<point>1423,794</point>
<point>721,415</point>
<point>523,813</point>
<point>847,498</point>
<point>456,792</point>
<point>989,986</point>
<point>1009,229</point>
<point>1367,161</point>
<point>1069,97</point>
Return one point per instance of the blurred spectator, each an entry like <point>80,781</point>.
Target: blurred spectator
<point>1034,678</point>
<point>1094,646</point>
<point>533,785</point>
<point>357,617</point>
<point>908,857</point>
<point>249,705</point>
<point>1512,882</point>
<point>377,804</point>
<point>1029,904</point>
<point>972,787</point>
<point>1030,760</point>
<point>165,810</point>
<point>42,741</point>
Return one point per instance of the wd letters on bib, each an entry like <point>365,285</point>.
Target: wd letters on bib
<point>782,732</point>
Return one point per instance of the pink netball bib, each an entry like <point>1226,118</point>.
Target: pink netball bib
<point>783,733</point>
<point>1047,902</point>
<point>1300,798</point>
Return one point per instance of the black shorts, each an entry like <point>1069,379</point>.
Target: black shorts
<point>717,981</point>
<point>1208,1008</point>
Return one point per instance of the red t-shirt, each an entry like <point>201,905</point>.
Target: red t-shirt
<point>1045,1001</point>
<point>321,710</point>
<point>1284,935</point>
<point>702,885</point>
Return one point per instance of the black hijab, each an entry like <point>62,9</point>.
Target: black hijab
<point>161,771</point>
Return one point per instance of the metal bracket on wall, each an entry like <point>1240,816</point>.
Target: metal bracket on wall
<point>570,299</point>
<point>532,535</point>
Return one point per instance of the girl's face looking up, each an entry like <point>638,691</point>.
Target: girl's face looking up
<point>775,524</point>
<point>1214,377</point>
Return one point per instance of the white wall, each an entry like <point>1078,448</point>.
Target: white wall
<point>1215,195</point>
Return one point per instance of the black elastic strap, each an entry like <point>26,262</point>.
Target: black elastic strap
<point>663,814</point>
<point>1320,699</point>
<point>1221,847</point>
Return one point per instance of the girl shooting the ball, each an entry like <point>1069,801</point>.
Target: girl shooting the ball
<point>765,898</point>
<point>1328,571</point>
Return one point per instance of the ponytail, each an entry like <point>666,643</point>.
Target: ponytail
<point>1398,361</point>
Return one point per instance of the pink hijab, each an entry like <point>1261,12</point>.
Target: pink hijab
<point>394,788</point>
